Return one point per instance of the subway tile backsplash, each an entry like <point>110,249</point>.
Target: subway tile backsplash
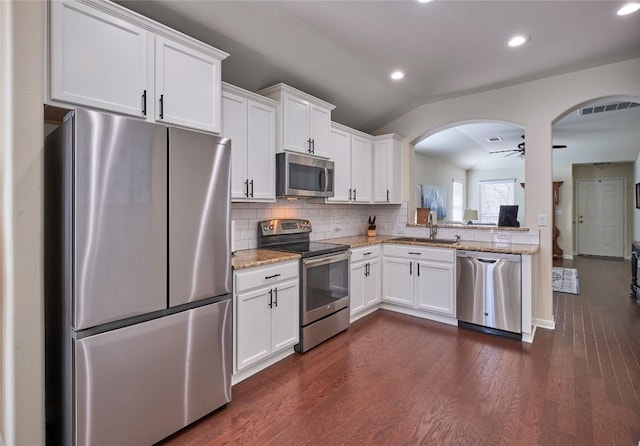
<point>327,220</point>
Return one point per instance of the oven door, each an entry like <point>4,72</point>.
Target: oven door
<point>325,286</point>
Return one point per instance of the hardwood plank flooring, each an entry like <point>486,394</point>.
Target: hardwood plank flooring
<point>393,379</point>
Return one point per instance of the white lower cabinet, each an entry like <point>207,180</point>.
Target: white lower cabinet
<point>366,280</point>
<point>420,278</point>
<point>266,312</point>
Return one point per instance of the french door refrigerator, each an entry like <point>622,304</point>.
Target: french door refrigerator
<point>137,279</point>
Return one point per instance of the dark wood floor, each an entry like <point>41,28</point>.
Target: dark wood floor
<point>397,380</point>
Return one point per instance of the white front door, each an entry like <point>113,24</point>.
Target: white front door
<point>601,217</point>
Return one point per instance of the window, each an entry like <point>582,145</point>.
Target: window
<point>458,200</point>
<point>492,195</point>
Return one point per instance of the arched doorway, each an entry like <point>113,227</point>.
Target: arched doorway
<point>460,156</point>
<point>595,215</point>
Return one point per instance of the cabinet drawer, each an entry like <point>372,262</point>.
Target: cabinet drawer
<point>421,253</point>
<point>365,253</point>
<point>265,275</point>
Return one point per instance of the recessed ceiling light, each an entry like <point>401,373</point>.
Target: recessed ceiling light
<point>518,40</point>
<point>629,8</point>
<point>397,75</point>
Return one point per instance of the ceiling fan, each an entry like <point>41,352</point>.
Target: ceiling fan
<point>520,149</point>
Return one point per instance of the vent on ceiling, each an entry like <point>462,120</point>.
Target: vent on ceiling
<point>608,107</point>
<point>494,139</point>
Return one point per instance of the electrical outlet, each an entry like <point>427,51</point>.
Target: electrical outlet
<point>542,219</point>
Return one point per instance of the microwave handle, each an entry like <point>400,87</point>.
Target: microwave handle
<point>324,174</point>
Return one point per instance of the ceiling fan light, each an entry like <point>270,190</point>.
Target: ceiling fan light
<point>628,8</point>
<point>518,40</point>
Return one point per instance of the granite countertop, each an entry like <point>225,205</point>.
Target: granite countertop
<point>461,226</point>
<point>358,241</point>
<point>249,258</point>
<point>509,248</point>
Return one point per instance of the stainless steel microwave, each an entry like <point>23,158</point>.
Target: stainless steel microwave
<point>303,176</point>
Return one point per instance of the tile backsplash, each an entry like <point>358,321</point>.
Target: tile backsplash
<point>345,220</point>
<point>327,220</point>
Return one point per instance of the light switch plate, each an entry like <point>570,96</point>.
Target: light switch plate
<point>542,219</point>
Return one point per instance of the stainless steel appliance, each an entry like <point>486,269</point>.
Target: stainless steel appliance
<point>489,294</point>
<point>324,278</point>
<point>303,176</point>
<point>137,279</point>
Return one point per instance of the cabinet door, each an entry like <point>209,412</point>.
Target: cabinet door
<point>285,322</point>
<point>340,153</point>
<point>234,126</point>
<point>295,122</point>
<point>373,284</point>
<point>398,281</point>
<point>319,129</point>
<point>261,161</point>
<point>435,287</point>
<point>357,291</point>
<point>381,187</point>
<point>97,60</point>
<point>187,87</point>
<point>253,327</point>
<point>361,168</point>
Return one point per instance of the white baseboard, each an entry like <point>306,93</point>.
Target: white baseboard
<point>241,375</point>
<point>421,314</point>
<point>364,313</point>
<point>528,337</point>
<point>567,257</point>
<point>544,323</point>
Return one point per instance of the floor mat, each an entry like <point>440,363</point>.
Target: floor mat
<point>565,280</point>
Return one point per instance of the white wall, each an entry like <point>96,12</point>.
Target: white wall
<point>536,106</point>
<point>435,172</point>
<point>473,186</point>
<point>21,225</point>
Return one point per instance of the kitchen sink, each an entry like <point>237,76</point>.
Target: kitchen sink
<point>425,240</point>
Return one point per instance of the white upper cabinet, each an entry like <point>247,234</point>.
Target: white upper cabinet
<point>97,60</point>
<point>304,121</point>
<point>106,57</point>
<point>340,153</point>
<point>361,168</point>
<point>249,120</point>
<point>386,168</point>
<point>187,86</point>
<point>351,152</point>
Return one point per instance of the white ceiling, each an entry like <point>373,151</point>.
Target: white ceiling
<point>343,51</point>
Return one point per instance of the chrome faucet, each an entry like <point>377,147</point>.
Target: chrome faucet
<point>433,229</point>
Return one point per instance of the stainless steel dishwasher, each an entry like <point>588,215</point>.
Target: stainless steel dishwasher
<point>489,294</point>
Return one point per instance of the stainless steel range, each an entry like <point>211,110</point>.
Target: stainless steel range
<point>324,278</point>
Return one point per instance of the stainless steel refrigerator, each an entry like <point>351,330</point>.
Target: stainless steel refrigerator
<point>137,279</point>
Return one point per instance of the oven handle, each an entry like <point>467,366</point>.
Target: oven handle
<point>325,259</point>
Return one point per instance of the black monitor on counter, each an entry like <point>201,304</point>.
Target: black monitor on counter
<point>508,216</point>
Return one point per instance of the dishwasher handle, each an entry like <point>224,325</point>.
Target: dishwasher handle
<point>487,260</point>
